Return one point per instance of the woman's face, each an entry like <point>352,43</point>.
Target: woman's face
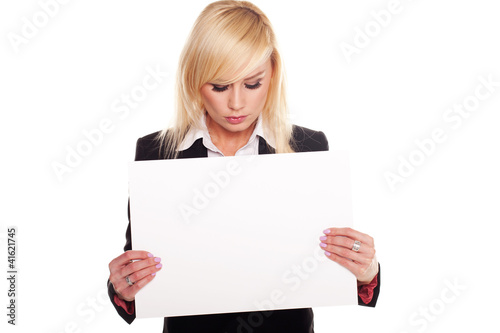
<point>235,107</point>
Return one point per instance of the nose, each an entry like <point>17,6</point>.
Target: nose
<point>236,100</point>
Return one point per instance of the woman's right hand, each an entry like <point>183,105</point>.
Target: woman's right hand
<point>139,266</point>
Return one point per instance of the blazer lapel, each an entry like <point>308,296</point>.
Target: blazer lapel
<point>264,148</point>
<point>197,149</point>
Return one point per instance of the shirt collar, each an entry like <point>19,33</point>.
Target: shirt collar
<point>201,131</point>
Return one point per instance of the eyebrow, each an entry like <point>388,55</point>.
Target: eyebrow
<point>256,75</point>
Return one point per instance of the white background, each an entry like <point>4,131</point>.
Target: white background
<point>437,226</point>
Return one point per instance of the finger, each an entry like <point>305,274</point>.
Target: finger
<point>363,273</point>
<point>338,240</point>
<point>128,293</point>
<point>350,265</point>
<point>126,257</point>
<point>137,266</point>
<point>351,233</point>
<point>121,283</point>
<point>139,275</point>
<point>347,243</point>
<point>346,253</point>
<point>140,284</point>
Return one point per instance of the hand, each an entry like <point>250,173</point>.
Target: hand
<point>338,245</point>
<point>139,266</point>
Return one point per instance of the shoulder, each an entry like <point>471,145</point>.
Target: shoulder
<point>148,147</point>
<point>305,139</point>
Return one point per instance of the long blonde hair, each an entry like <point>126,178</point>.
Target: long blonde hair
<point>229,39</point>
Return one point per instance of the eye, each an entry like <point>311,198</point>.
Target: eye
<point>253,86</point>
<point>219,88</point>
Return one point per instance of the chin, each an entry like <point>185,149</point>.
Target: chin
<point>237,128</point>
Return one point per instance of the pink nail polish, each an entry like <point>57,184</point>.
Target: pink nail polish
<point>323,238</point>
<point>158,266</point>
<point>157,259</point>
<point>328,253</point>
<point>327,231</point>
<point>322,245</point>
<point>153,274</point>
<point>150,255</point>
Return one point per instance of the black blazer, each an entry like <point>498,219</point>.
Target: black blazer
<point>277,321</point>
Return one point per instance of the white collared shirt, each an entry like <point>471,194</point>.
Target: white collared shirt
<point>251,147</point>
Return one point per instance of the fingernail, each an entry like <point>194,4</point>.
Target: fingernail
<point>158,266</point>
<point>157,259</point>
<point>323,238</point>
<point>327,231</point>
<point>322,245</point>
<point>328,253</point>
<point>153,274</point>
<point>150,255</point>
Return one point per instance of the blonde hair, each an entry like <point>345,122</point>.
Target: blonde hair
<point>229,39</point>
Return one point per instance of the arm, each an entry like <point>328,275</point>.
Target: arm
<point>369,288</point>
<point>125,309</point>
<point>368,293</point>
<point>338,244</point>
<point>139,266</point>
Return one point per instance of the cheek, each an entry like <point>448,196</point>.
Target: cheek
<point>262,96</point>
<point>210,100</point>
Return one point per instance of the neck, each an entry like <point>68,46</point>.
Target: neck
<point>228,142</point>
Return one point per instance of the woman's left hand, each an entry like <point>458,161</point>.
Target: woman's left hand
<point>339,246</point>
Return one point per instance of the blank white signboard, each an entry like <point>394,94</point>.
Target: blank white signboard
<point>241,233</point>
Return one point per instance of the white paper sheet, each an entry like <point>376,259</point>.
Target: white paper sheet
<point>241,233</point>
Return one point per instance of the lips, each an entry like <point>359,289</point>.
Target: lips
<point>236,120</point>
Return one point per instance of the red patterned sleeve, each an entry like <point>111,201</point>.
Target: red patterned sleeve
<point>127,306</point>
<point>365,291</point>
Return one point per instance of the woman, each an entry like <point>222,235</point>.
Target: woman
<point>231,100</point>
